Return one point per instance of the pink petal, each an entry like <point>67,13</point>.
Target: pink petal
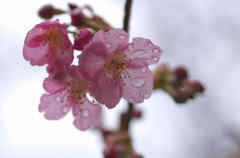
<point>87,114</point>
<point>92,59</point>
<point>60,77</point>
<point>114,39</point>
<point>52,86</point>
<point>76,73</point>
<point>137,84</point>
<point>35,49</point>
<point>55,106</point>
<point>37,55</point>
<point>106,90</point>
<point>142,52</point>
<point>48,43</point>
<point>63,75</point>
<point>64,47</point>
<point>64,55</point>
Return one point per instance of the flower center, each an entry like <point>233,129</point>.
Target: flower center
<point>116,64</point>
<point>54,37</point>
<point>78,89</point>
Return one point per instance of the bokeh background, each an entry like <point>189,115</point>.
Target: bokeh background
<point>204,35</point>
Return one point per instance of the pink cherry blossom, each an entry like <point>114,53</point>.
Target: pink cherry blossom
<point>48,43</point>
<point>82,37</point>
<point>67,90</point>
<point>118,68</point>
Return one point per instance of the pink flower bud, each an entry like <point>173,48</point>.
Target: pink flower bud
<point>137,113</point>
<point>81,38</point>
<point>197,86</point>
<point>181,73</point>
<point>46,11</point>
<point>77,17</point>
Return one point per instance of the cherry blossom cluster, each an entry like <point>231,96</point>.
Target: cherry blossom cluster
<point>176,83</point>
<point>109,68</point>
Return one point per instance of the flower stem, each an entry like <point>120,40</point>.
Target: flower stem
<point>126,117</point>
<point>127,9</point>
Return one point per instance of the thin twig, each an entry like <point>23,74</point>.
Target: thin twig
<point>126,117</point>
<point>127,9</point>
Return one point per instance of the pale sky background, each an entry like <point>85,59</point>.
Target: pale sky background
<point>202,34</point>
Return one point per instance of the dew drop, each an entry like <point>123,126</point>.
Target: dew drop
<point>65,109</point>
<point>122,37</point>
<point>108,45</point>
<point>155,59</point>
<point>144,69</point>
<point>155,50</point>
<point>139,53</point>
<point>58,99</point>
<point>137,83</point>
<point>130,47</point>
<point>146,95</point>
<point>85,113</point>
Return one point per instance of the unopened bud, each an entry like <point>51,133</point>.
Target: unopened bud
<point>82,37</point>
<point>181,73</point>
<point>77,17</point>
<point>162,76</point>
<point>48,11</point>
<point>137,113</point>
<point>198,87</point>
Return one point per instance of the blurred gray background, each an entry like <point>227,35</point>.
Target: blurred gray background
<point>204,35</point>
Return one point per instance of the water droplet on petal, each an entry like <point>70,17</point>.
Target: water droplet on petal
<point>155,59</point>
<point>85,113</point>
<point>155,50</point>
<point>108,45</point>
<point>144,69</point>
<point>139,53</point>
<point>146,95</point>
<point>150,44</point>
<point>137,83</point>
<point>58,99</point>
<point>130,47</point>
<point>65,109</point>
<point>122,37</point>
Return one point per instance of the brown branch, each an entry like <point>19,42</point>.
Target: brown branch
<point>126,117</point>
<point>126,20</point>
